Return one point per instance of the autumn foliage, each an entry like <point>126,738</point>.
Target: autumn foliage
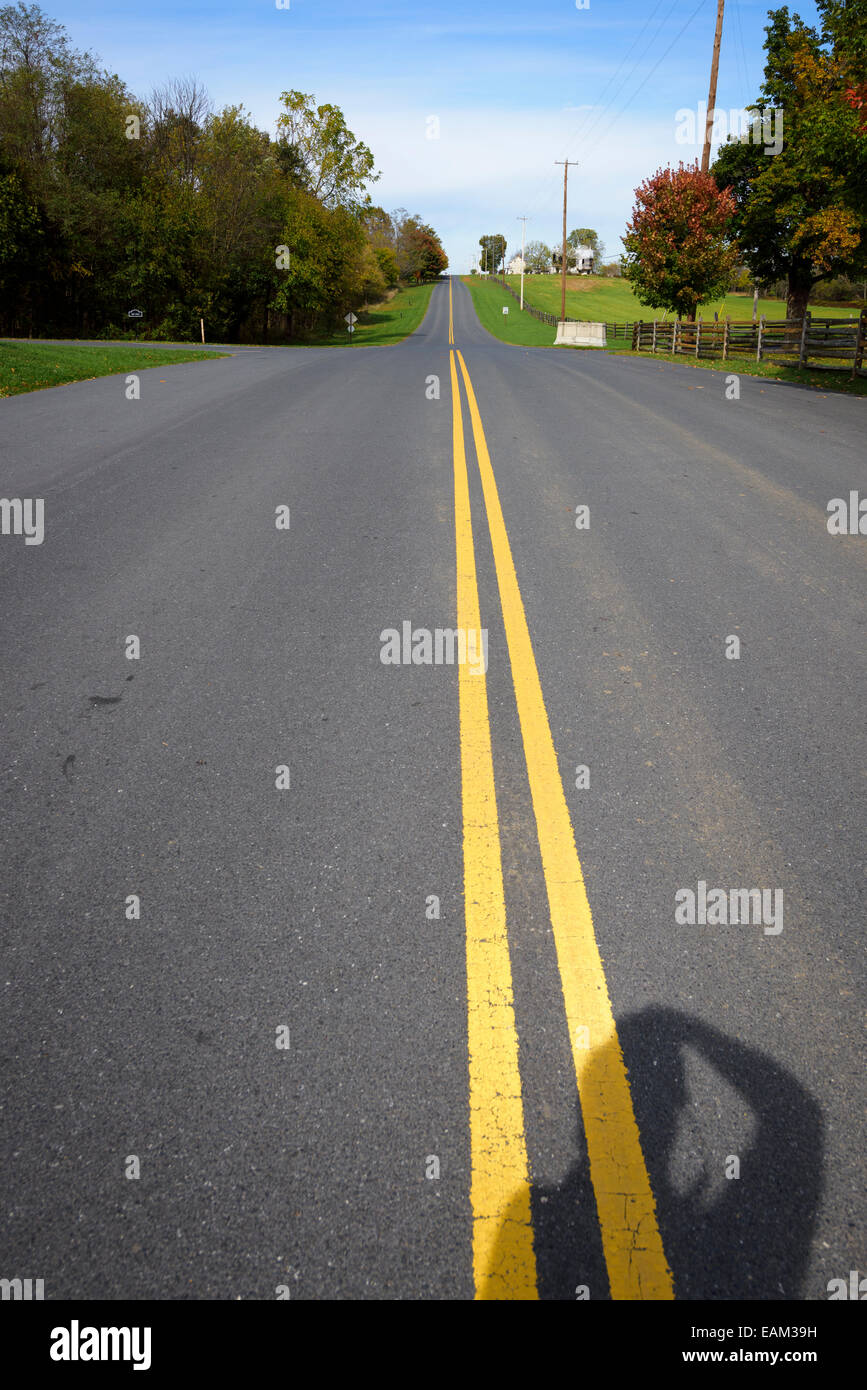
<point>801,215</point>
<point>857,99</point>
<point>677,251</point>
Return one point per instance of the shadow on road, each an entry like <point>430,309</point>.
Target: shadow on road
<point>746,1237</point>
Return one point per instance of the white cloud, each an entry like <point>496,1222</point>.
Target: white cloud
<point>488,167</point>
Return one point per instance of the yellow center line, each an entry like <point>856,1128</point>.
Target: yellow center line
<point>637,1267</point>
<point>451,320</point>
<point>504,1264</point>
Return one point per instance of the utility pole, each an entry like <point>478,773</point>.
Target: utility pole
<point>711,98</point>
<point>523,221</point>
<point>566,163</point>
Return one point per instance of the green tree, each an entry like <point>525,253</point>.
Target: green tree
<point>801,214</point>
<point>372,283</point>
<point>325,274</point>
<point>537,256</point>
<point>493,251</point>
<point>337,167</point>
<point>20,244</point>
<point>179,211</point>
<point>585,236</point>
<point>380,226</point>
<point>387,262</point>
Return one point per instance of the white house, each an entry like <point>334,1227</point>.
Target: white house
<point>579,261</point>
<point>516,266</point>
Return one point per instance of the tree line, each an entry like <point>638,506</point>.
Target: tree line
<point>110,203</point>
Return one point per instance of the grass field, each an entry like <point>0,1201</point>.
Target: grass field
<point>830,383</point>
<point>522,330</point>
<point>33,366</point>
<point>382,324</point>
<point>612,301</point>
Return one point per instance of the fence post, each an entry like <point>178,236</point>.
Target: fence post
<point>726,337</point>
<point>674,336</point>
<point>759,338</point>
<point>802,350</point>
<point>698,336</point>
<point>653,345</point>
<point>860,343</point>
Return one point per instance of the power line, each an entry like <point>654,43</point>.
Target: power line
<point>742,54</point>
<point>588,130</point>
<point>643,83</point>
<point>614,76</point>
<point>581,129</point>
<point>537,200</point>
<point>585,132</point>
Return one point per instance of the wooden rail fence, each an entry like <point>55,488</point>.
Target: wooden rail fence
<point>824,344</point>
<point>836,343</point>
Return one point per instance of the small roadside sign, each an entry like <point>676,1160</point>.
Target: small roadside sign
<point>505,308</point>
<point>350,328</point>
<point>135,313</point>
<point>350,319</point>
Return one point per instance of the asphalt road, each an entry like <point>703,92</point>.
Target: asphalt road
<point>309,907</point>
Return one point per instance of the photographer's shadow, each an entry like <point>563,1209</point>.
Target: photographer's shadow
<point>724,1237</point>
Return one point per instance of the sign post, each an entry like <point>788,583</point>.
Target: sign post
<point>350,320</point>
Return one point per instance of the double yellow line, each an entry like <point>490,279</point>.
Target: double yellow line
<point>503,1255</point>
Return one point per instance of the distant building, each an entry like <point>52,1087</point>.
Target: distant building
<point>516,266</point>
<point>579,261</point>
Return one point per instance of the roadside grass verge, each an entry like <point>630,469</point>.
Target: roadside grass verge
<point>600,299</point>
<point>34,366</point>
<point>828,383</point>
<point>525,331</point>
<point>382,324</point>
<point>522,330</point>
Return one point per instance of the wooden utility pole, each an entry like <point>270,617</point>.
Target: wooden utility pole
<point>711,97</point>
<point>566,163</point>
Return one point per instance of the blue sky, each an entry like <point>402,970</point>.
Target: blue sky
<point>513,89</point>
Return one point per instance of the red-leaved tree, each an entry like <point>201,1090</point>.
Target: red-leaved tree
<point>857,99</point>
<point>678,253</point>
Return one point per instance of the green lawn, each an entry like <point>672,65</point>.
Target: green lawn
<point>744,366</point>
<point>611,301</point>
<point>520,329</point>
<point>33,366</point>
<point>381,325</point>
